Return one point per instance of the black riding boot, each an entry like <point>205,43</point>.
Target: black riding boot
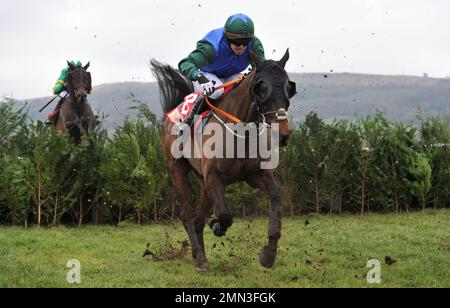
<point>199,107</point>
<point>53,119</point>
<point>195,110</point>
<point>198,104</point>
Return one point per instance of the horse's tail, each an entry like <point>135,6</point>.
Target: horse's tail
<point>173,86</point>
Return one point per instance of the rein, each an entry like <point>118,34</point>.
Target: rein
<point>281,114</point>
<point>220,111</point>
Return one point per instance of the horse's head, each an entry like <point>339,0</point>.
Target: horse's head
<point>79,81</point>
<point>272,90</point>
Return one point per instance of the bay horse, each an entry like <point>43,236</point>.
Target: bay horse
<point>76,115</point>
<point>264,96</point>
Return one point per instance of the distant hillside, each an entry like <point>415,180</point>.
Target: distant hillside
<point>343,95</point>
<point>332,96</point>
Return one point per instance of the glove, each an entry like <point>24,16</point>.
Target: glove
<point>63,93</point>
<point>206,85</point>
<point>247,71</point>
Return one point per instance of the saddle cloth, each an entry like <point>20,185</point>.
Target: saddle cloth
<point>54,114</point>
<point>180,113</point>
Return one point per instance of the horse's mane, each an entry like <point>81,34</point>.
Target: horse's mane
<point>173,86</point>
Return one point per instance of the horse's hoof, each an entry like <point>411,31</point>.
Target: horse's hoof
<point>217,230</point>
<point>267,257</point>
<point>203,267</point>
<point>212,221</point>
<point>215,226</point>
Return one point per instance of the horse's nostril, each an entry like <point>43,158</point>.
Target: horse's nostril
<point>284,140</point>
<point>82,96</point>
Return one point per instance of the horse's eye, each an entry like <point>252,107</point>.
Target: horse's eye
<point>291,89</point>
<point>262,91</point>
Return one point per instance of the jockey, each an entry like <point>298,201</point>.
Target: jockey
<point>61,90</point>
<point>221,56</point>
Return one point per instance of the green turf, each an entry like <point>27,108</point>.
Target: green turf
<point>332,251</point>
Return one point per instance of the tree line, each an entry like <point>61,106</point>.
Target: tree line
<point>362,165</point>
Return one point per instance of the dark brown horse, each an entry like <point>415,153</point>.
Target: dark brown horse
<point>76,116</point>
<point>262,97</point>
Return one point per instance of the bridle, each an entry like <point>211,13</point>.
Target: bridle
<point>81,82</point>
<point>281,114</point>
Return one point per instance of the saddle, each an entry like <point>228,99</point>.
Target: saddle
<point>180,113</point>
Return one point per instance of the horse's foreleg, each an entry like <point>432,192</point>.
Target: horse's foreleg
<point>86,124</point>
<point>87,119</point>
<point>267,182</point>
<point>179,178</point>
<point>216,190</point>
<point>200,217</point>
<point>72,128</point>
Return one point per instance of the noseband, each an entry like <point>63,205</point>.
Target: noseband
<point>281,114</point>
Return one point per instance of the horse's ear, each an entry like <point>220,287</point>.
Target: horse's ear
<point>255,59</point>
<point>285,58</point>
<point>70,65</point>
<point>87,66</point>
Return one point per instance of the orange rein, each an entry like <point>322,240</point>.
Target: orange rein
<point>219,111</point>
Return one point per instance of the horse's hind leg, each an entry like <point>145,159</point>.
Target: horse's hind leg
<point>179,173</point>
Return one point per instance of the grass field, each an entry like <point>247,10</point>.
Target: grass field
<point>331,251</point>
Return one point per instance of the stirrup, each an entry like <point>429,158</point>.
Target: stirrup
<point>50,122</point>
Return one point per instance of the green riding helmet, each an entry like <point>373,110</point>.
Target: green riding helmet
<point>239,26</point>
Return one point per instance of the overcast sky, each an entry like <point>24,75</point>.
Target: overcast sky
<point>401,37</point>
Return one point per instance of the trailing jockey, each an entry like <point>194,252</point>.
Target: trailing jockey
<point>221,56</point>
<point>60,89</point>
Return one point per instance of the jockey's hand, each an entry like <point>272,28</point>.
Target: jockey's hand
<point>247,71</point>
<point>206,85</point>
<point>63,93</point>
